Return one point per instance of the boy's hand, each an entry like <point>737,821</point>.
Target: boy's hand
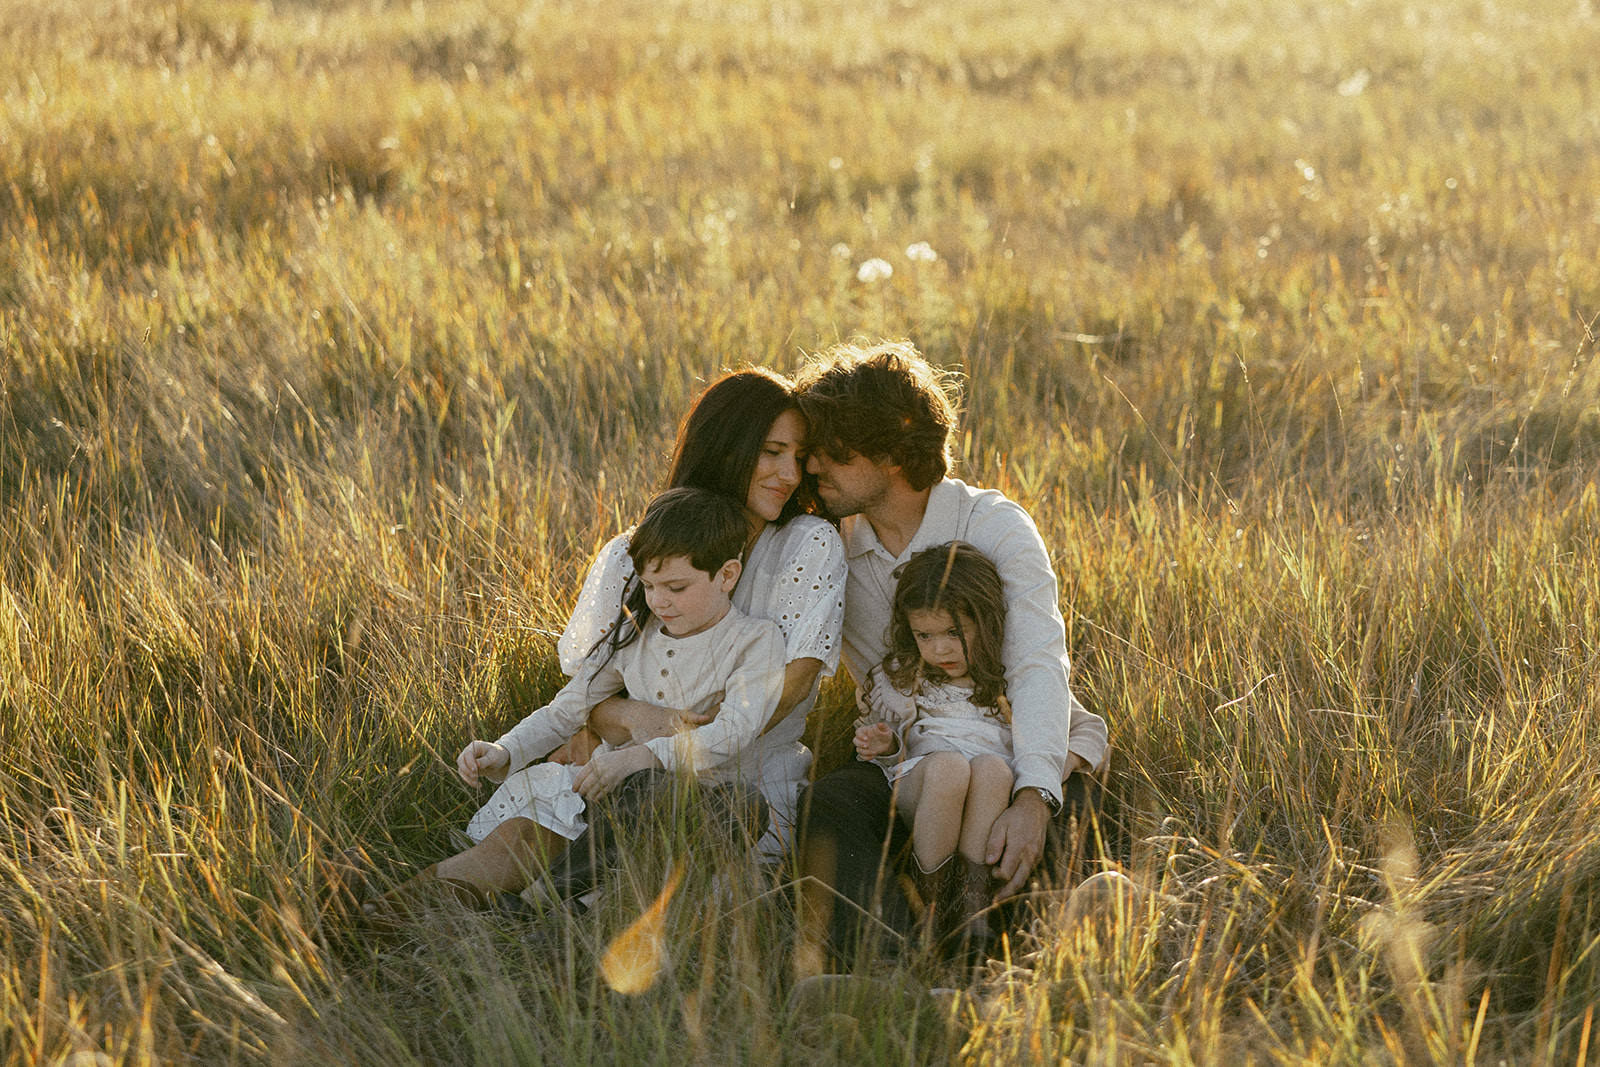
<point>604,771</point>
<point>483,759</point>
<point>874,740</point>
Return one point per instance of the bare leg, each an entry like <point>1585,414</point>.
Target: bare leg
<point>507,859</point>
<point>988,794</point>
<point>931,797</point>
<point>969,935</point>
<point>502,862</point>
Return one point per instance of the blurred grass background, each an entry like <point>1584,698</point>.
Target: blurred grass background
<point>335,336</point>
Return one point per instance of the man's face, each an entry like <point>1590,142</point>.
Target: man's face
<point>851,487</point>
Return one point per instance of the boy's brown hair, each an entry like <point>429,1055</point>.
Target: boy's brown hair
<point>882,401</point>
<point>705,527</point>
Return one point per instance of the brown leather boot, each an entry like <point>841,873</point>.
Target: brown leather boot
<point>931,896</point>
<point>969,935</point>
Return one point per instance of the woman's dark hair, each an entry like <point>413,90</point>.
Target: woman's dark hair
<point>706,527</point>
<point>720,439</point>
<point>956,578</point>
<point>882,401</point>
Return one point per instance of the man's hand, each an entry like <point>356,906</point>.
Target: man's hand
<point>483,759</point>
<point>597,777</point>
<point>1017,840</point>
<point>874,740</point>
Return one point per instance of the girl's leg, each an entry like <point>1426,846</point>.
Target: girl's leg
<point>931,797</point>
<point>969,934</point>
<point>988,794</point>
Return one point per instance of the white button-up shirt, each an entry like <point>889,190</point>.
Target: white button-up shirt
<point>1046,719</point>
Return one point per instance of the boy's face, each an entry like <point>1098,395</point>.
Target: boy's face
<point>686,600</point>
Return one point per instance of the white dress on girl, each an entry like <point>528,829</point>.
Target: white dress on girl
<point>934,717</point>
<point>740,657</point>
<point>794,576</point>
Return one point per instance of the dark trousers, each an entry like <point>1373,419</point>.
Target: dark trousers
<point>656,802</point>
<point>846,819</point>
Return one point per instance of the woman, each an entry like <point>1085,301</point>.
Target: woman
<point>744,438</point>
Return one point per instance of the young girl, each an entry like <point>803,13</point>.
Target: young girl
<point>938,722</point>
<point>680,640</point>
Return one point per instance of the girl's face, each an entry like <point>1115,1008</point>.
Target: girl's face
<point>940,643</point>
<point>778,468</point>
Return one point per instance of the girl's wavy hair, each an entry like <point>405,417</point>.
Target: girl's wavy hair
<point>720,439</point>
<point>957,578</point>
<point>704,526</point>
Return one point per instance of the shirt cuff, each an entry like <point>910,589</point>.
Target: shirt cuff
<point>668,752</point>
<point>1036,772</point>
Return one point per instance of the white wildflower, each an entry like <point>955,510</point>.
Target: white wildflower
<point>1356,84</point>
<point>874,270</point>
<point>921,252</point>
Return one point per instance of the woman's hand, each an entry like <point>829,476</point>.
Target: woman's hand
<point>483,759</point>
<point>874,740</point>
<point>646,722</point>
<point>606,770</point>
<point>577,749</point>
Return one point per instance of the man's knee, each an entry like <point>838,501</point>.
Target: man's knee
<point>844,801</point>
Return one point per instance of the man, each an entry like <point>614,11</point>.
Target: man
<point>879,432</point>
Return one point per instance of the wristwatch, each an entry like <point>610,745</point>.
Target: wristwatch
<point>1045,795</point>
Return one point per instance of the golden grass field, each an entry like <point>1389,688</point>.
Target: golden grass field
<point>335,336</point>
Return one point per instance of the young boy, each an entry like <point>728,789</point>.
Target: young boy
<point>679,642</point>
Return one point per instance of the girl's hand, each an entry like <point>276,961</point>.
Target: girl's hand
<point>483,759</point>
<point>600,774</point>
<point>874,740</point>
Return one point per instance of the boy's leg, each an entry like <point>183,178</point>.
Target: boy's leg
<point>502,862</point>
<point>506,859</point>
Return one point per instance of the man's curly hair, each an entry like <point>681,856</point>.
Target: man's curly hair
<point>882,401</point>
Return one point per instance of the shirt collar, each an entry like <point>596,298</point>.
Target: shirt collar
<point>940,520</point>
<point>859,537</point>
<point>940,517</point>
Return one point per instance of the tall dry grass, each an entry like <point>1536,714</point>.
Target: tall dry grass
<point>336,336</point>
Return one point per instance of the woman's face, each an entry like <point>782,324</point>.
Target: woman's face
<point>778,468</point>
